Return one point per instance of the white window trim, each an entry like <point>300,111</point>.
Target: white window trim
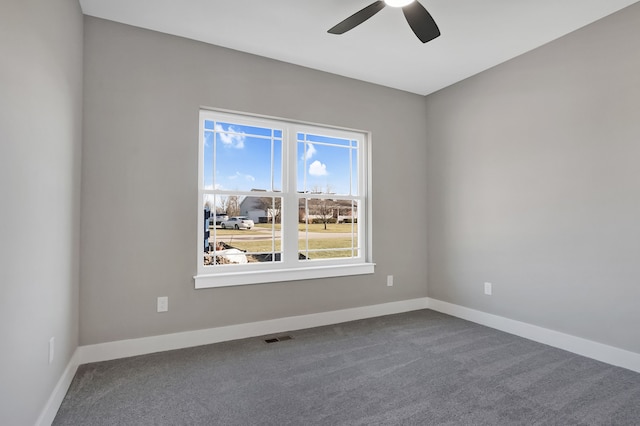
<point>259,273</point>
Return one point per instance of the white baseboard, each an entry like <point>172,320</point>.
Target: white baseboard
<point>53,403</point>
<point>125,348</point>
<point>588,348</point>
<point>145,345</point>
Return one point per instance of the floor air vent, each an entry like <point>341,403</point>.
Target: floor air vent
<point>278,339</point>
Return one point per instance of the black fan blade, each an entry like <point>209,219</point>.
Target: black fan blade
<point>421,22</point>
<point>358,18</point>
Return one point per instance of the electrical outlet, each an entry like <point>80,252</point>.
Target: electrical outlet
<point>163,304</point>
<point>488,290</point>
<point>389,280</point>
<point>52,343</point>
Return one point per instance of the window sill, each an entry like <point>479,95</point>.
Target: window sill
<point>227,279</point>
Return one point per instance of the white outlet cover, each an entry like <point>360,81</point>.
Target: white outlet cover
<point>163,304</point>
<point>389,280</point>
<point>487,289</point>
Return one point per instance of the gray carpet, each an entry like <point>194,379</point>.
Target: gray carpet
<point>417,368</point>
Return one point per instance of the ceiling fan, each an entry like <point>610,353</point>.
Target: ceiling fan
<point>419,19</point>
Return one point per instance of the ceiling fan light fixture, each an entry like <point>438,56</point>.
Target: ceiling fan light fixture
<point>398,3</point>
<point>418,18</point>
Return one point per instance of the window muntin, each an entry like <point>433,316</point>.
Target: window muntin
<point>335,220</point>
<point>303,186</point>
<point>314,176</point>
<point>243,157</point>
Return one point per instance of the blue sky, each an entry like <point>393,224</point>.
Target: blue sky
<point>251,157</point>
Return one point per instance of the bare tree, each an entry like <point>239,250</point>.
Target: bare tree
<point>272,206</point>
<point>233,205</point>
<point>323,208</point>
<point>222,204</point>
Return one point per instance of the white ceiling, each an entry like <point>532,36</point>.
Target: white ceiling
<point>476,34</point>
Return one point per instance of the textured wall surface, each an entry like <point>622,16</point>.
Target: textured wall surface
<point>143,91</point>
<point>40,149</point>
<point>533,185</point>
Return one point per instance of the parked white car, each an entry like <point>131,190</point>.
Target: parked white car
<point>237,222</point>
<point>221,217</point>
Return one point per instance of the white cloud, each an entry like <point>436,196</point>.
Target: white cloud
<point>242,176</point>
<point>235,140</point>
<point>311,150</point>
<point>218,186</point>
<point>317,169</point>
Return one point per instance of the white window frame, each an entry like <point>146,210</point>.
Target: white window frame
<point>290,268</point>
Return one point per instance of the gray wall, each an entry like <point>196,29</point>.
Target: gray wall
<point>40,139</point>
<point>143,91</point>
<point>533,185</point>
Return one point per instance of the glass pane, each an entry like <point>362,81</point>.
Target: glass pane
<point>244,166</point>
<point>277,166</point>
<point>244,162</point>
<point>327,229</point>
<point>253,235</point>
<point>325,169</point>
<point>354,172</point>
<point>207,165</point>
<point>243,129</point>
<point>209,225</point>
<point>301,185</point>
<point>328,139</point>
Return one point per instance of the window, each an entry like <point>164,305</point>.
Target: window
<point>280,200</point>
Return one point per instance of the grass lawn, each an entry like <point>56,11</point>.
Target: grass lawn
<point>329,243</point>
<point>315,244</point>
<point>313,227</point>
<point>316,227</point>
<point>265,246</point>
